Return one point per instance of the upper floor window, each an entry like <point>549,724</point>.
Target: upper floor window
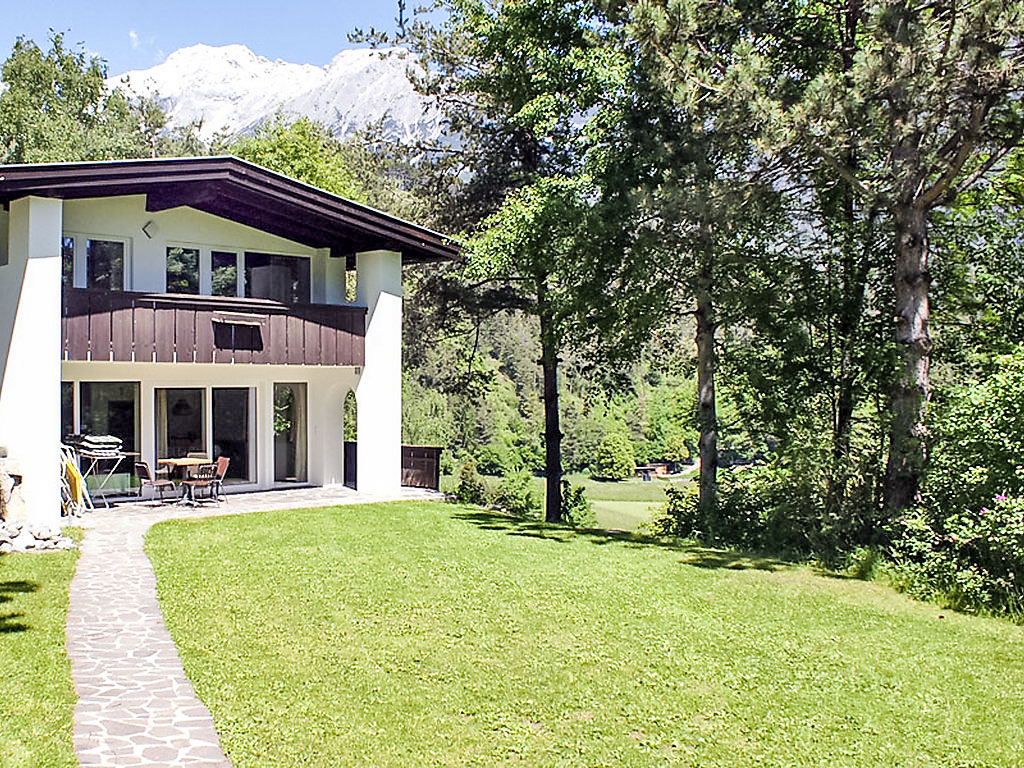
<point>104,265</point>
<point>182,270</point>
<point>67,261</point>
<point>224,273</point>
<point>277,277</point>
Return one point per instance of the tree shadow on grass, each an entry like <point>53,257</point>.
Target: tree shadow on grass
<point>9,621</point>
<point>692,554</point>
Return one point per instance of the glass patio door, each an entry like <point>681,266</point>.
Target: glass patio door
<point>180,422</point>
<point>231,431</point>
<point>290,433</point>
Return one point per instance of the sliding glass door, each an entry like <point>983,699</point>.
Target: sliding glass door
<point>183,424</point>
<point>180,422</point>
<point>231,431</point>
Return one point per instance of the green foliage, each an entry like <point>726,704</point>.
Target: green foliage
<point>515,494</point>
<point>426,419</point>
<point>614,458</point>
<point>55,107</point>
<point>965,544</point>
<point>576,507</point>
<point>978,440</point>
<point>680,517</point>
<point>864,563</point>
<point>971,560</point>
<point>302,149</point>
<point>351,413</point>
<point>284,407</point>
<point>471,488</point>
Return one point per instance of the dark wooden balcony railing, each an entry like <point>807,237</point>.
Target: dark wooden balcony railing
<point>168,328</point>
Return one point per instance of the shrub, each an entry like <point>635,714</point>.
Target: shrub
<point>778,507</point>
<point>471,488</point>
<point>978,441</point>
<point>679,518</point>
<point>614,459</point>
<point>493,458</point>
<point>971,560</point>
<point>515,494</point>
<point>863,563</point>
<point>576,507</point>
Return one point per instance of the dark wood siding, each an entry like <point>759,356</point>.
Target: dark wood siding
<point>421,466</point>
<point>146,327</point>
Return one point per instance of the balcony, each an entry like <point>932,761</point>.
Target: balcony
<point>171,328</point>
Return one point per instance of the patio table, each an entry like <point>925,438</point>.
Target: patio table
<point>185,464</point>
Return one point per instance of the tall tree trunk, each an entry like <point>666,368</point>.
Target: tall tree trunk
<point>851,310</point>
<point>911,389</point>
<point>552,430</point>
<point>854,283</point>
<point>707,416</point>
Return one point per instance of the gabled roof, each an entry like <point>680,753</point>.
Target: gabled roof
<point>236,190</point>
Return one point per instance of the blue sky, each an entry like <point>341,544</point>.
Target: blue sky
<point>139,34</point>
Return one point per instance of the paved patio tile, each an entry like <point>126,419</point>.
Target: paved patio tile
<point>135,705</point>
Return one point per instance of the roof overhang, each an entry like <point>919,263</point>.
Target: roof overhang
<point>239,191</point>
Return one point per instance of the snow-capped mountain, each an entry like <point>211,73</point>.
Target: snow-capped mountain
<point>232,90</point>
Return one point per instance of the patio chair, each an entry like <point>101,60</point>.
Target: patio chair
<point>202,480</point>
<point>148,480</point>
<point>218,482</point>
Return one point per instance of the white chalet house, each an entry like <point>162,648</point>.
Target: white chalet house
<point>199,305</point>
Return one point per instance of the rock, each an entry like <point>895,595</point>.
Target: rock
<point>44,532</point>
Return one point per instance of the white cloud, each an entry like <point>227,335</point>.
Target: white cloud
<point>133,36</point>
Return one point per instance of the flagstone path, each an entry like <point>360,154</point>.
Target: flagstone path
<point>135,705</point>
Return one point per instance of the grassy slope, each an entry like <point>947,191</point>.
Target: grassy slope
<point>36,696</point>
<point>419,634</point>
<point>617,505</point>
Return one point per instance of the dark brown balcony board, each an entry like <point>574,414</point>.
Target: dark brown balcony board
<point>137,327</point>
<point>164,318</point>
<point>145,335</point>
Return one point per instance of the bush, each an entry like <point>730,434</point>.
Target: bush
<point>576,507</point>
<point>515,495</point>
<point>978,441</point>
<point>493,459</point>
<point>614,459</point>
<point>778,507</point>
<point>964,546</point>
<point>680,517</point>
<point>471,488</point>
<point>863,563</point>
<point>972,560</point>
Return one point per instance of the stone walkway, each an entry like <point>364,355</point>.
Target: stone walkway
<point>135,705</point>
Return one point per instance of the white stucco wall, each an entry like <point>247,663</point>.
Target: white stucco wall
<point>326,388</point>
<point>379,393</point>
<point>30,338</point>
<point>122,218</point>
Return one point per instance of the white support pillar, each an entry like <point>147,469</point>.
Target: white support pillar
<point>30,389</point>
<point>379,392</point>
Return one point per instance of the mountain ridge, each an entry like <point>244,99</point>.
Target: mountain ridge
<point>232,90</point>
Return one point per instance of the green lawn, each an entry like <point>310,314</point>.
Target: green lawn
<point>36,695</point>
<point>432,635</point>
<point>619,505</point>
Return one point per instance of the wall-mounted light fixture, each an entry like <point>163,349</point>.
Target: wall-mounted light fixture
<point>149,229</point>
